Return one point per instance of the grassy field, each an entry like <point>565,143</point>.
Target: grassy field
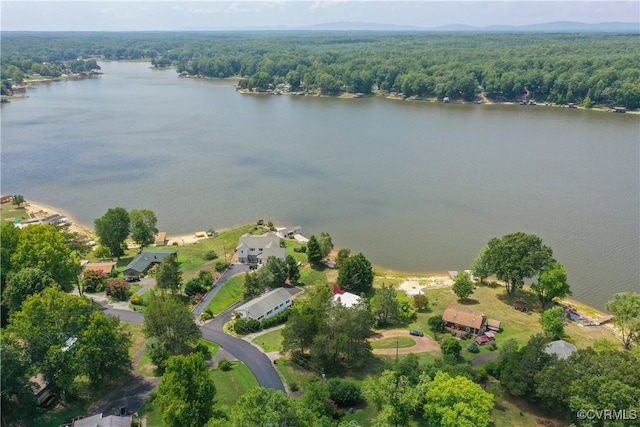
<point>137,337</point>
<point>232,384</point>
<point>393,342</point>
<point>270,341</point>
<point>9,212</point>
<point>230,293</point>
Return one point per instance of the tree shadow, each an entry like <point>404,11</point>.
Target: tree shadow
<point>468,301</point>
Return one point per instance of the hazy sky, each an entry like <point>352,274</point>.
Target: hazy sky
<point>219,15</point>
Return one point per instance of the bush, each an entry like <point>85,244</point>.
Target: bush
<point>221,266</point>
<point>158,353</point>
<point>194,287</point>
<point>92,281</point>
<point>136,300</point>
<point>278,319</point>
<point>473,348</point>
<point>118,289</point>
<point>301,249</point>
<point>344,393</point>
<point>205,350</point>
<point>240,326</point>
<point>436,324</point>
<point>492,345</point>
<point>224,365</point>
<point>293,386</point>
<point>211,255</point>
<point>253,325</point>
<point>450,346</point>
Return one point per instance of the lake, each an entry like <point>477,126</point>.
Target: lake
<point>414,186</point>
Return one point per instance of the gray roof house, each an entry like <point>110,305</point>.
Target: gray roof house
<point>252,248</point>
<point>560,348</point>
<point>266,305</point>
<point>145,260</point>
<point>100,421</point>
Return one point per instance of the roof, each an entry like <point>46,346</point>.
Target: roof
<point>100,267</point>
<point>259,242</point>
<point>347,299</point>
<point>161,237</point>
<point>463,316</point>
<point>272,249</point>
<point>493,323</point>
<point>261,305</point>
<point>560,348</point>
<point>98,421</point>
<point>145,259</point>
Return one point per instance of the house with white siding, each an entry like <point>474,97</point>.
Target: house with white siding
<point>266,305</point>
<point>256,249</point>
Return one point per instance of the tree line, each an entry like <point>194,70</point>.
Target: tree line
<point>590,69</point>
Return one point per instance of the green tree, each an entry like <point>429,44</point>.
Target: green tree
<point>102,252</point>
<point>186,392</point>
<point>43,326</point>
<point>44,247</point>
<point>23,283</point>
<point>252,286</point>
<point>551,284</point>
<point>517,256</point>
<point>480,266</point>
<point>305,319</point>
<point>625,307</point>
<point>103,349</point>
<point>436,323</point>
<point>167,319</point>
<point>316,398</point>
<point>343,254</point>
<point>278,269</point>
<point>8,244</point>
<point>384,305</point>
<point>520,367</point>
<point>356,274</point>
<point>314,253</point>
<point>457,402</point>
<point>143,226</point>
<point>118,289</point>
<point>92,281</point>
<point>268,407</point>
<point>451,347</point>
<point>326,245</point>
<point>552,322</point>
<point>169,276</point>
<point>293,271</point>
<point>18,199</point>
<point>421,302</point>
<point>113,229</point>
<point>463,286</point>
<point>17,398</point>
<point>394,396</point>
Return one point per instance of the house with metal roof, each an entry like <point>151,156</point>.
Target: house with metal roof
<point>253,248</point>
<point>145,260</point>
<point>462,320</point>
<point>100,421</point>
<point>266,305</point>
<point>560,348</point>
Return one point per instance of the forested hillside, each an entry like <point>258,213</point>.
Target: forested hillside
<point>589,69</point>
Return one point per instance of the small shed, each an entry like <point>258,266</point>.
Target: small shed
<point>161,239</point>
<point>493,325</point>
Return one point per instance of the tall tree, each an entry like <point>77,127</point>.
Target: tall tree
<point>518,256</point>
<point>268,407</point>
<point>306,318</point>
<point>8,244</point>
<point>551,284</point>
<point>625,307</point>
<point>326,245</point>
<point>343,254</point>
<point>394,396</point>
<point>384,305</point>
<point>519,367</point>
<point>103,349</point>
<point>44,247</point>
<point>457,401</point>
<point>293,271</point>
<point>356,274</point>
<point>23,283</point>
<point>314,253</point>
<point>169,276</point>
<point>43,326</point>
<point>278,269</point>
<point>143,226</point>
<point>252,286</point>
<point>480,266</point>
<point>463,286</point>
<point>552,322</point>
<point>113,229</point>
<point>16,392</point>
<point>170,321</point>
<point>186,392</point>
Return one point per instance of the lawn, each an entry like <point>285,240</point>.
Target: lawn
<point>393,342</point>
<point>313,277</point>
<point>137,337</point>
<point>270,341</point>
<point>9,212</point>
<point>230,293</point>
<point>292,375</point>
<point>232,384</point>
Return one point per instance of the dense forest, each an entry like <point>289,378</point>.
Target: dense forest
<point>587,69</point>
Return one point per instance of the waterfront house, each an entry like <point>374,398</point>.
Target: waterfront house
<point>252,248</point>
<point>462,320</point>
<point>145,260</point>
<point>266,305</point>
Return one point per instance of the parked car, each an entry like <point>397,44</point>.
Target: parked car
<point>416,333</point>
<point>131,279</point>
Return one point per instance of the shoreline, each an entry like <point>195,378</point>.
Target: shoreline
<point>410,280</point>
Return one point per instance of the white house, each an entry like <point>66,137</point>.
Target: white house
<point>266,305</point>
<point>252,248</point>
<point>347,299</point>
<point>286,232</point>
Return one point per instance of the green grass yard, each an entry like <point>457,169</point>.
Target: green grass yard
<point>270,341</point>
<point>230,293</point>
<point>393,342</point>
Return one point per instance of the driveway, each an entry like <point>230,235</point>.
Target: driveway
<point>231,271</point>
<point>423,344</point>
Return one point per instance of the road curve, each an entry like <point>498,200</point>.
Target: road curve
<point>257,361</point>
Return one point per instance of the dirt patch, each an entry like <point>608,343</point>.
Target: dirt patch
<point>416,285</point>
<point>423,344</point>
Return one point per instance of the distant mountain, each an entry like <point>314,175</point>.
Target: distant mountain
<point>360,26</point>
